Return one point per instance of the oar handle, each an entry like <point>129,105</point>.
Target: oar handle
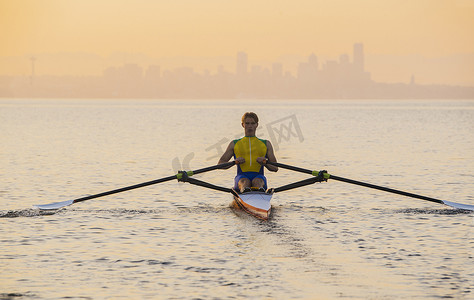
<point>219,166</point>
<point>293,168</point>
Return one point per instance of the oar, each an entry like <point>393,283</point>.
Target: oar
<point>329,176</point>
<point>58,205</point>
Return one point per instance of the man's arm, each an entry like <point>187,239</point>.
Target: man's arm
<point>229,152</point>
<point>271,157</point>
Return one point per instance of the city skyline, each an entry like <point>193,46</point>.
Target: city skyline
<point>384,68</point>
<point>431,40</point>
<point>345,78</point>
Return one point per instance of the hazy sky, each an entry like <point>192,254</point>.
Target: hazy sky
<point>265,29</point>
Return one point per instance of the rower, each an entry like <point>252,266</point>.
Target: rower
<point>250,154</point>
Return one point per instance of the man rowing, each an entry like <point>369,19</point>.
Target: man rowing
<point>251,155</point>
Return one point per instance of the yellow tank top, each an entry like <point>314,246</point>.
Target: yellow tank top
<point>250,147</point>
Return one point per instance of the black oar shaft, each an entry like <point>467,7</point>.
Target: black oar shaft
<point>381,188</point>
<point>127,188</point>
<point>208,185</point>
<point>373,186</point>
<point>206,169</point>
<point>295,185</point>
<point>297,169</point>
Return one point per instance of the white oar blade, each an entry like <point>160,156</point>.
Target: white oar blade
<point>56,205</point>
<point>459,205</point>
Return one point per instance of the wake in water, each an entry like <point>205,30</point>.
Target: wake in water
<point>116,211</point>
<point>445,211</point>
<point>211,210</point>
<point>26,213</point>
<point>11,296</point>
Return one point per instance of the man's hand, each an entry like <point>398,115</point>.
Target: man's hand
<point>262,160</point>
<point>239,160</point>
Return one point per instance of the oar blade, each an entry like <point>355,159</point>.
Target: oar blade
<point>459,205</point>
<point>53,206</point>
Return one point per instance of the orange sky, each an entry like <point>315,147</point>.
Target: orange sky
<point>265,29</point>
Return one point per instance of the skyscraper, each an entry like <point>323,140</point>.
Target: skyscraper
<point>359,57</point>
<point>313,62</point>
<point>242,63</point>
<point>277,70</point>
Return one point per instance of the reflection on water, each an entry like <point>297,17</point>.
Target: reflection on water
<point>174,240</point>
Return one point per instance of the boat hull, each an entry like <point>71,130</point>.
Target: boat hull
<point>255,203</point>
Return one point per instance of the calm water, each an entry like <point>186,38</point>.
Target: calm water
<point>173,240</point>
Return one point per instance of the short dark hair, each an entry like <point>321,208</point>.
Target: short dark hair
<point>250,115</point>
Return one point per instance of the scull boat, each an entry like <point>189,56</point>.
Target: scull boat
<point>255,203</point>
